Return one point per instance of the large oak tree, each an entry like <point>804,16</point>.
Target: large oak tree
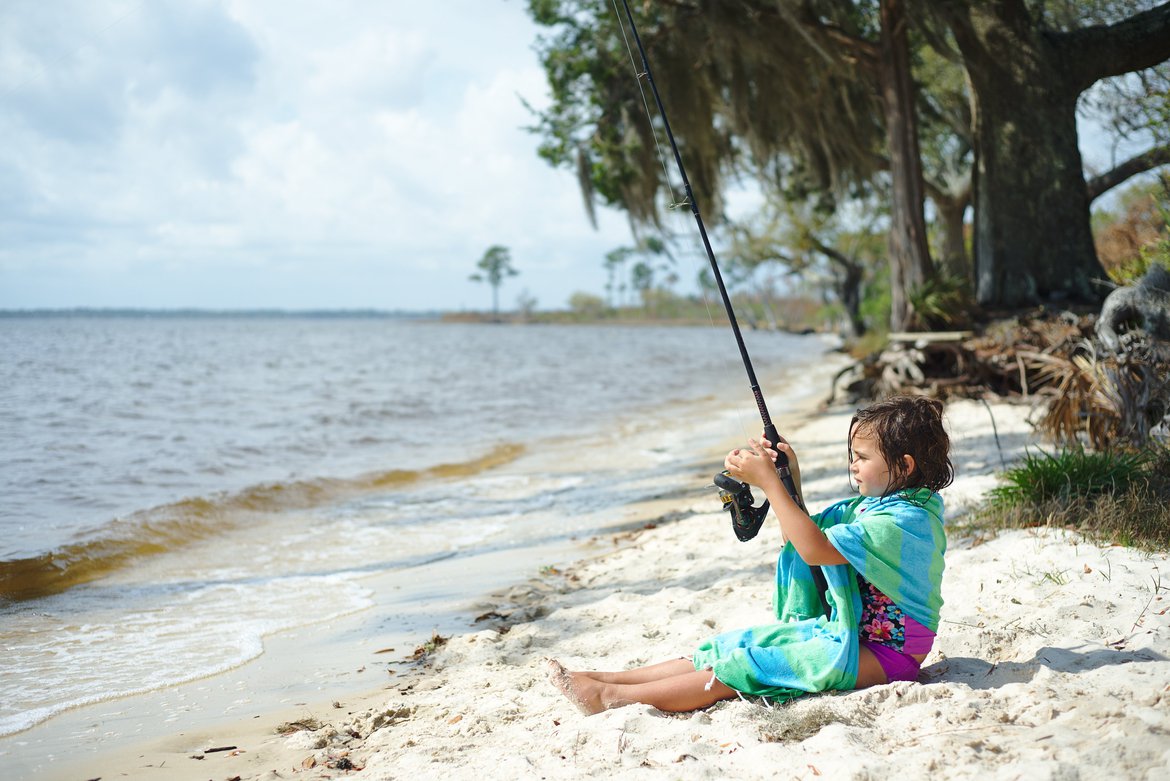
<point>1032,240</point>
<point>820,90</point>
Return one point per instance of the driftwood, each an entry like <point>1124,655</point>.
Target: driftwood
<point>1086,391</point>
<point>1144,307</point>
<point>1002,360</point>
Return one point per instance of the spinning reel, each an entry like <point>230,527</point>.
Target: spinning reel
<point>737,498</point>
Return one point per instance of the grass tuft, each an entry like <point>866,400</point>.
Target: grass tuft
<point>1118,497</point>
<point>1069,474</point>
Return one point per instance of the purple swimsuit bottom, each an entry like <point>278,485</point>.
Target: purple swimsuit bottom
<point>891,635</point>
<point>901,666</point>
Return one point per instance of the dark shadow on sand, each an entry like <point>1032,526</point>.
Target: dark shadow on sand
<point>982,674</point>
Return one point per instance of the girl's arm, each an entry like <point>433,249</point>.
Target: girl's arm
<point>757,467</point>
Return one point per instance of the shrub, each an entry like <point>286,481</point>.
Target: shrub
<point>1068,474</point>
<point>1111,497</point>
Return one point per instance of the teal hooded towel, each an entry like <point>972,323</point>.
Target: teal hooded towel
<point>896,543</point>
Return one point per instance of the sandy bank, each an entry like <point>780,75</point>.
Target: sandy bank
<point>1053,661</point>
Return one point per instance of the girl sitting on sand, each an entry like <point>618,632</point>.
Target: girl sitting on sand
<point>882,559</point>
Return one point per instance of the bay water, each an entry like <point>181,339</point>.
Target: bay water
<point>177,490</point>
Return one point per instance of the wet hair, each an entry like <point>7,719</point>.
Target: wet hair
<point>908,425</point>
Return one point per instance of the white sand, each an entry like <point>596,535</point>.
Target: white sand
<point>1051,663</point>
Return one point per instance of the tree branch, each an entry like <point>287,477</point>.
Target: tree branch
<point>1151,158</point>
<point>1098,52</point>
<point>810,27</point>
<point>832,254</point>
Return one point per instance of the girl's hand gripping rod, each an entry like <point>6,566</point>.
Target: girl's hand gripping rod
<point>746,520</point>
<point>737,498</point>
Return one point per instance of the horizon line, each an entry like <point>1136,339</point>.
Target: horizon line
<point>218,311</point>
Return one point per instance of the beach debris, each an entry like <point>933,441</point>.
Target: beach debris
<point>344,763</point>
<point>436,642</point>
<point>218,748</point>
<point>336,704</point>
<point>489,616</point>
<point>390,717</point>
<point>385,650</point>
<point>309,762</point>
<point>308,724</point>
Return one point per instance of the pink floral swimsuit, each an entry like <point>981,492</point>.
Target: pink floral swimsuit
<point>890,634</point>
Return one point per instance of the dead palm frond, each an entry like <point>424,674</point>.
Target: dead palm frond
<point>1072,385</point>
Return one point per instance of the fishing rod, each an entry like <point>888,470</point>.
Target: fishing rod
<point>737,498</point>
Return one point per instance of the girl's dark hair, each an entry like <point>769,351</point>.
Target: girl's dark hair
<point>908,425</point>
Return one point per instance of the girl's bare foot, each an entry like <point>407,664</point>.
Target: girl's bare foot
<point>581,690</point>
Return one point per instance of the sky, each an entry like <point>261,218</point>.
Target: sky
<point>234,154</point>
<point>238,154</point>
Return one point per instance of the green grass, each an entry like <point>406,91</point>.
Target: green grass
<point>1120,497</point>
<point>1069,474</point>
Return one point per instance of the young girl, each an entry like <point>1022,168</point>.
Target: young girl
<point>882,559</point>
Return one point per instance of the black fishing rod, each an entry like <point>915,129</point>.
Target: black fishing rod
<point>737,498</point>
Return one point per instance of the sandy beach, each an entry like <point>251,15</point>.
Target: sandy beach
<point>1052,662</point>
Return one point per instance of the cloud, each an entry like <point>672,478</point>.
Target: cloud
<point>364,143</point>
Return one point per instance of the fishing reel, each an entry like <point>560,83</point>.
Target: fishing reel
<point>737,499</point>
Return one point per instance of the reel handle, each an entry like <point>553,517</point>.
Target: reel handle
<point>746,519</point>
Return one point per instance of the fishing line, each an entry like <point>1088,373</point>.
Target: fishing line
<point>675,203</point>
<point>89,38</point>
<point>736,496</point>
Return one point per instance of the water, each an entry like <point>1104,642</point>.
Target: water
<point>171,479</point>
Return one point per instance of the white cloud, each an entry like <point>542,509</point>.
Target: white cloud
<point>378,145</point>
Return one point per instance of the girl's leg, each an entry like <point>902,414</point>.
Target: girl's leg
<point>869,670</point>
<point>653,672</point>
<point>683,692</point>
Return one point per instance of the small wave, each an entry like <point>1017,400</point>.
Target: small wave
<point>156,653</point>
<point>169,527</point>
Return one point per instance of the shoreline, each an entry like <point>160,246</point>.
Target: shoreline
<point>1054,658</point>
<point>76,740</point>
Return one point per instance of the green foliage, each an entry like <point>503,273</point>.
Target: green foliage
<point>776,98</point>
<point>1118,497</point>
<point>1136,234</point>
<point>587,306</point>
<point>1068,474</point>
<point>494,266</point>
<point>942,302</point>
<point>876,299</point>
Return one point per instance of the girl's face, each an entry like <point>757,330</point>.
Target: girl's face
<point>866,465</point>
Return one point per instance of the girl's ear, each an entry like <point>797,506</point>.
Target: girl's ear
<point>910,464</point>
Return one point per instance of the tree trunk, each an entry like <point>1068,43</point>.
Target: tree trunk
<point>951,213</point>
<point>1032,240</point>
<point>850,291</point>
<point>848,286</point>
<point>910,264</point>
